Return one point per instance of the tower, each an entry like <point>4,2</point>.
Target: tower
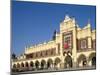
<point>68,38</point>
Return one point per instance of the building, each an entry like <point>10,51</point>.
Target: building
<point>72,47</point>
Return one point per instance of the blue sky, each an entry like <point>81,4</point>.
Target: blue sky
<point>34,22</point>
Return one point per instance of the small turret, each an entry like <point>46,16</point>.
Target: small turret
<point>14,56</point>
<point>54,35</point>
<point>67,18</point>
<point>89,24</point>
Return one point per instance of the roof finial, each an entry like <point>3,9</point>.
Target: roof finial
<point>67,16</point>
<point>89,21</point>
<point>89,24</point>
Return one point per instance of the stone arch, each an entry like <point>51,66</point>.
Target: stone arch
<point>31,64</point>
<point>14,66</point>
<point>82,61</point>
<point>68,61</point>
<point>57,62</point>
<point>92,59</point>
<point>18,65</point>
<point>49,63</point>
<point>26,64</point>
<point>22,64</point>
<point>37,64</point>
<point>43,64</point>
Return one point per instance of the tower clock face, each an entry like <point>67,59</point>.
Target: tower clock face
<point>67,40</point>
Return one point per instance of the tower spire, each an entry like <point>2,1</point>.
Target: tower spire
<point>89,24</point>
<point>54,35</point>
<point>89,21</point>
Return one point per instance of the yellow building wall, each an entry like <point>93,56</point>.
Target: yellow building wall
<point>65,26</point>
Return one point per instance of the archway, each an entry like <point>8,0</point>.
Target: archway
<point>92,59</point>
<point>26,66</point>
<point>18,65</point>
<point>82,61</point>
<point>43,64</point>
<point>14,66</point>
<point>22,65</point>
<point>57,63</point>
<point>68,62</point>
<point>50,63</point>
<point>31,64</point>
<point>37,64</point>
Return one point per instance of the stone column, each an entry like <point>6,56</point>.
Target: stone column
<point>62,66</point>
<point>89,40</point>
<point>74,49</point>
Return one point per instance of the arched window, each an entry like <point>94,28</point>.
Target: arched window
<point>83,44</point>
<point>94,44</point>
